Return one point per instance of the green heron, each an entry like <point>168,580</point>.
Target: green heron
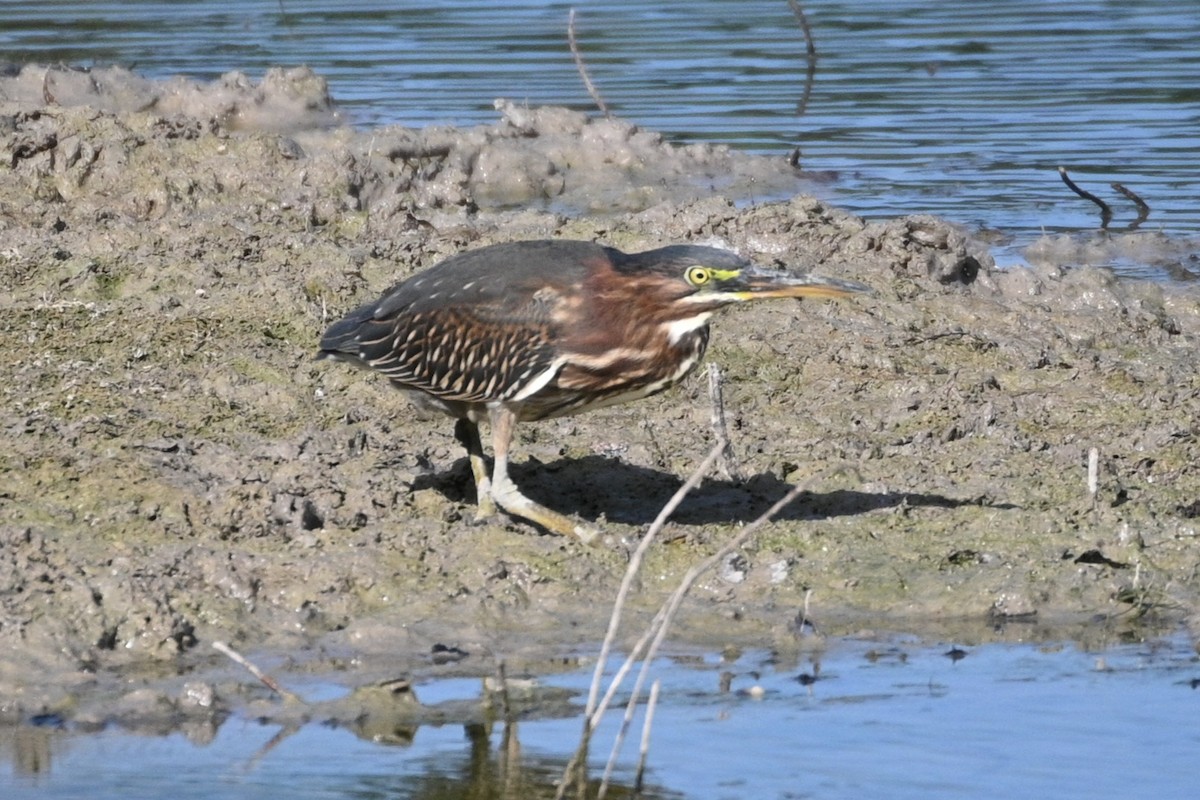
<point>538,329</point>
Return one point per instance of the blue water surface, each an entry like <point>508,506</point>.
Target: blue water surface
<point>890,719</point>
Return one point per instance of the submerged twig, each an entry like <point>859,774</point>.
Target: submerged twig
<point>253,669</point>
<point>583,73</point>
<point>1105,211</point>
<point>1142,206</point>
<point>811,51</point>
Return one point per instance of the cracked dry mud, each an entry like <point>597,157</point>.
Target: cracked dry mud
<point>176,469</point>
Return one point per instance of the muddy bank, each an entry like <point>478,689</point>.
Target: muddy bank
<point>176,469</point>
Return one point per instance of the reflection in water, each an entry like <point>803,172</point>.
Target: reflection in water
<point>484,759</point>
<point>486,774</point>
<point>819,717</point>
<point>31,750</point>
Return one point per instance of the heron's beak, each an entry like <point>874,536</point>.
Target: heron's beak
<point>757,283</point>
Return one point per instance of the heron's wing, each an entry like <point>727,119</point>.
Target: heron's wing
<point>488,349</point>
<point>457,354</point>
<point>483,325</point>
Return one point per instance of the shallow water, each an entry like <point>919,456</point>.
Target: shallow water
<point>959,109</point>
<point>883,719</point>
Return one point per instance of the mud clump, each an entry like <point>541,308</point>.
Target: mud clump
<point>176,469</point>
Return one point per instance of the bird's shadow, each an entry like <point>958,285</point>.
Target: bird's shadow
<point>598,486</point>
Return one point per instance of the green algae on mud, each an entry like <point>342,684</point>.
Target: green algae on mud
<point>176,469</point>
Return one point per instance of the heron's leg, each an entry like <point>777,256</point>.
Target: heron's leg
<point>467,432</point>
<point>509,497</point>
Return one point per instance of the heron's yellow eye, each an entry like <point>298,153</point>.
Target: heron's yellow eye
<point>698,276</point>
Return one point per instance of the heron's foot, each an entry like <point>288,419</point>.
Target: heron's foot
<point>485,506</point>
<point>508,497</point>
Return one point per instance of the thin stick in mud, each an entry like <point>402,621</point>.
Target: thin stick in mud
<point>254,670</point>
<point>727,464</point>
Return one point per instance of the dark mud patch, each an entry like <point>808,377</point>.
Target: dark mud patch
<point>176,469</point>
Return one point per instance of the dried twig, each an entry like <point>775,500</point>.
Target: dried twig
<point>647,646</point>
<point>647,724</point>
<point>811,51</point>
<point>662,620</point>
<point>583,73</point>
<point>635,563</point>
<point>266,679</point>
<point>47,95</point>
<point>1105,211</point>
<point>805,619</point>
<point>1142,206</point>
<point>595,708</point>
<point>1093,480</point>
<point>727,464</point>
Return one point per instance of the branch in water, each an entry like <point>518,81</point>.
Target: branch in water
<point>583,73</point>
<point>1105,211</point>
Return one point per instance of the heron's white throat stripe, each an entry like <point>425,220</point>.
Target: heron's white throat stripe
<point>678,328</point>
